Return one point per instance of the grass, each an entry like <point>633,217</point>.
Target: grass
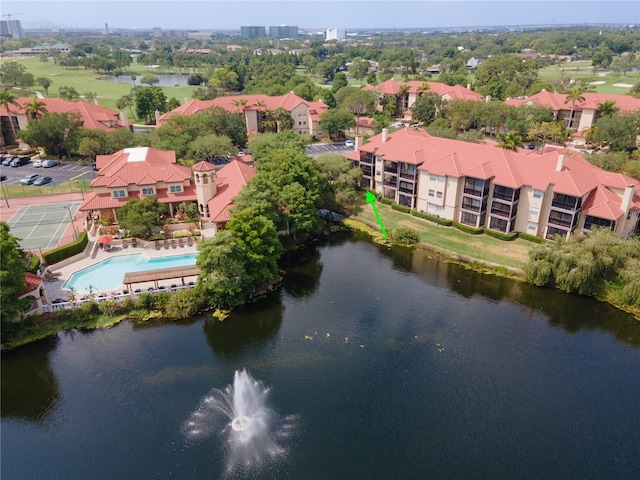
<point>22,191</point>
<point>583,69</point>
<point>88,81</point>
<point>513,254</point>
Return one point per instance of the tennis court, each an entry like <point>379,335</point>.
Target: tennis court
<point>42,226</point>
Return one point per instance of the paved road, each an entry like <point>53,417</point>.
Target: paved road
<point>335,148</point>
<point>59,174</point>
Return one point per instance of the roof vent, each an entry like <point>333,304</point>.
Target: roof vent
<point>560,164</point>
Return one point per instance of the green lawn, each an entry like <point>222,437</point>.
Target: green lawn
<point>583,69</point>
<point>88,81</point>
<point>514,254</point>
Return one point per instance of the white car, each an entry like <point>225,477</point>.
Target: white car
<point>37,163</point>
<point>349,144</point>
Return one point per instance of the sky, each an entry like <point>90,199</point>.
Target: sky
<point>320,14</point>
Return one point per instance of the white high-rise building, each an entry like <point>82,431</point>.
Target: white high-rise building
<point>335,34</point>
<point>11,29</point>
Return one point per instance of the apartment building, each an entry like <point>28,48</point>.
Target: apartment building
<point>545,194</point>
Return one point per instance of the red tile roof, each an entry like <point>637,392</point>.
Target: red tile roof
<point>139,166</point>
<point>391,87</point>
<point>32,282</point>
<point>603,203</point>
<point>93,116</point>
<point>455,158</point>
<point>100,201</point>
<point>230,179</point>
<point>557,101</point>
<point>234,104</point>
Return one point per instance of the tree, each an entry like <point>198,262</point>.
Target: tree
<point>90,147</point>
<point>68,93</point>
<point>575,95</point>
<point>118,139</point>
<point>139,217</point>
<point>10,72</point>
<point>608,108</point>
<point>360,103</point>
<point>337,121</point>
<point>126,101</point>
<point>35,108</point>
<point>359,68</point>
<point>338,180</point>
<point>51,132</point>
<point>12,269</point>
<point>45,83</point>
<point>619,132</point>
<point>283,119</point>
<point>428,107</point>
<point>26,80</point>
<point>211,145</point>
<point>339,81</point>
<point>547,130</point>
<point>147,100</point>
<point>511,141</point>
<point>8,99</point>
<point>149,79</point>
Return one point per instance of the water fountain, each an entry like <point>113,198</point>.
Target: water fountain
<point>255,436</point>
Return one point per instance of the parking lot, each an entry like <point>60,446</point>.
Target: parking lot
<point>59,174</point>
<point>337,148</point>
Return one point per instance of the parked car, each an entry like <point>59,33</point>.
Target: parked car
<point>29,179</point>
<point>50,163</point>
<point>19,161</point>
<point>3,178</point>
<point>349,144</point>
<point>37,163</point>
<point>42,181</point>
<point>7,161</point>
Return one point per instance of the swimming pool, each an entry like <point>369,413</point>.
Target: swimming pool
<point>108,274</point>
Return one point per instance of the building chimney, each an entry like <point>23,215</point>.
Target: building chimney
<point>629,192</point>
<point>123,119</point>
<point>385,133</point>
<point>358,142</point>
<point>487,98</point>
<point>95,100</point>
<point>560,164</point>
<point>157,117</point>
<point>186,99</point>
<point>468,86</point>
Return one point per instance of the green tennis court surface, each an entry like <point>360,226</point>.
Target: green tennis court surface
<point>42,226</point>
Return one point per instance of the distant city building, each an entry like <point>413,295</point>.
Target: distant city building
<point>335,34</point>
<point>200,35</point>
<point>252,32</point>
<point>283,31</point>
<point>157,32</point>
<point>177,33</point>
<point>11,29</point>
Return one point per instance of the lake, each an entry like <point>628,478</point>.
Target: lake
<point>367,363</point>
<point>165,80</point>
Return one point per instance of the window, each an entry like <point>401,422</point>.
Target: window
<point>534,211</point>
<point>147,191</point>
<point>175,188</point>
<point>432,193</point>
<point>532,226</point>
<point>438,194</point>
<point>433,178</point>
<point>537,194</point>
<point>119,193</point>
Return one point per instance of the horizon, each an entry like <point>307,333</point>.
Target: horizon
<point>224,15</point>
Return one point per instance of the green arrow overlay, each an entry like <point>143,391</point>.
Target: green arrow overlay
<point>371,198</point>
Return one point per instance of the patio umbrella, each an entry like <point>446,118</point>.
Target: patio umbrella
<point>105,239</point>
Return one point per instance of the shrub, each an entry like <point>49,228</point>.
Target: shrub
<point>432,218</point>
<point>467,228</point>
<point>404,236</point>
<point>34,264</point>
<point>66,251</point>
<point>500,235</point>
<point>531,238</point>
<point>386,201</point>
<point>400,208</point>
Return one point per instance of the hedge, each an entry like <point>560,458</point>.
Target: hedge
<point>467,228</point>
<point>400,208</point>
<point>432,218</point>
<point>34,264</point>
<point>499,235</point>
<point>386,201</point>
<point>531,238</point>
<point>68,250</point>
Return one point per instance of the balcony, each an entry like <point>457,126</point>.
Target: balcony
<point>391,168</point>
<point>406,190</point>
<point>501,213</point>
<point>390,182</point>
<point>408,175</point>
<point>560,222</point>
<point>367,171</point>
<point>473,192</point>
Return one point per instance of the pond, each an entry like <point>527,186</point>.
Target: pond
<point>367,363</point>
<point>165,80</point>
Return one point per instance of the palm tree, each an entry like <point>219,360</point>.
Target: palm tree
<point>7,97</point>
<point>403,98</point>
<point>574,96</point>
<point>608,108</point>
<point>424,86</point>
<point>588,133</point>
<point>35,108</point>
<point>511,141</point>
<point>240,103</point>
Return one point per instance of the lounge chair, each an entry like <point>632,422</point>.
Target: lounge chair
<point>166,244</point>
<point>173,243</point>
<point>189,241</point>
<point>158,246</point>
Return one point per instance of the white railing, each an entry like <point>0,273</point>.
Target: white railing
<point>55,307</point>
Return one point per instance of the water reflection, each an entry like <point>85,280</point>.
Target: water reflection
<point>250,327</point>
<point>303,272</point>
<point>29,387</point>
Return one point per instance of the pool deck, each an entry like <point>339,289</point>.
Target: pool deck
<point>54,290</point>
